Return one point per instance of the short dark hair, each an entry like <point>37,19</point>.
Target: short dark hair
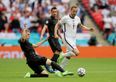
<point>53,8</point>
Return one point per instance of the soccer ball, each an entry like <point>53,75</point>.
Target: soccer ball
<point>81,72</point>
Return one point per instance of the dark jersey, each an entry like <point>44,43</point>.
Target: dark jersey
<point>51,22</point>
<point>28,50</point>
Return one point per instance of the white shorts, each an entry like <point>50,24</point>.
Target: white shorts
<point>70,43</point>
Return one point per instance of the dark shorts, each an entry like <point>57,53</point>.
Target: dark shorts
<point>36,65</point>
<point>54,44</point>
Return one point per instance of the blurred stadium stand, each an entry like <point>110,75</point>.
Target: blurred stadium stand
<point>11,39</point>
<point>103,12</point>
<point>15,13</point>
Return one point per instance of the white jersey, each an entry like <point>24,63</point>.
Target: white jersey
<point>70,25</point>
<point>70,29</point>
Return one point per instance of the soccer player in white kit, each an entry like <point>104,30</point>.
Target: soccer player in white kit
<point>69,24</point>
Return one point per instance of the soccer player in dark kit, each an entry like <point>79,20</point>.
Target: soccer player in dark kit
<point>35,61</point>
<point>53,42</point>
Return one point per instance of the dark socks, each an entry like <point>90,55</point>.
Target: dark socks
<point>55,57</point>
<point>39,75</point>
<point>68,57</point>
<point>56,66</point>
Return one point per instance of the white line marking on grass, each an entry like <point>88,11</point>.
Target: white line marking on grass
<point>101,71</point>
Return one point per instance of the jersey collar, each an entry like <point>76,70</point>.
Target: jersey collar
<point>52,17</point>
<point>71,17</point>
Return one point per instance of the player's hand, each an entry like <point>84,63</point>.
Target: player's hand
<point>41,37</point>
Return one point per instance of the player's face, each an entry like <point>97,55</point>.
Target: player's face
<point>54,13</point>
<point>73,12</point>
<point>27,34</point>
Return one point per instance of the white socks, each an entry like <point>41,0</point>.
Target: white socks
<point>64,62</point>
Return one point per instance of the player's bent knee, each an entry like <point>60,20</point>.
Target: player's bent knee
<point>48,62</point>
<point>57,52</point>
<point>76,52</point>
<point>44,72</point>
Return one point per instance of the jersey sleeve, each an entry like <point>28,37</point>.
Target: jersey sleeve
<point>79,20</point>
<point>20,41</point>
<point>63,20</point>
<point>46,21</point>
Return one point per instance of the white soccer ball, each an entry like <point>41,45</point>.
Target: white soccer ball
<point>81,72</point>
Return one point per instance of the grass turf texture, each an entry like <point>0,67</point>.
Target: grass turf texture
<point>98,70</point>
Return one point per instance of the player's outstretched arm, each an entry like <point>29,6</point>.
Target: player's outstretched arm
<point>40,43</point>
<point>83,26</point>
<point>43,32</point>
<point>56,30</point>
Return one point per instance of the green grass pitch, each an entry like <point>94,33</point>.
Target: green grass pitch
<point>98,70</point>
